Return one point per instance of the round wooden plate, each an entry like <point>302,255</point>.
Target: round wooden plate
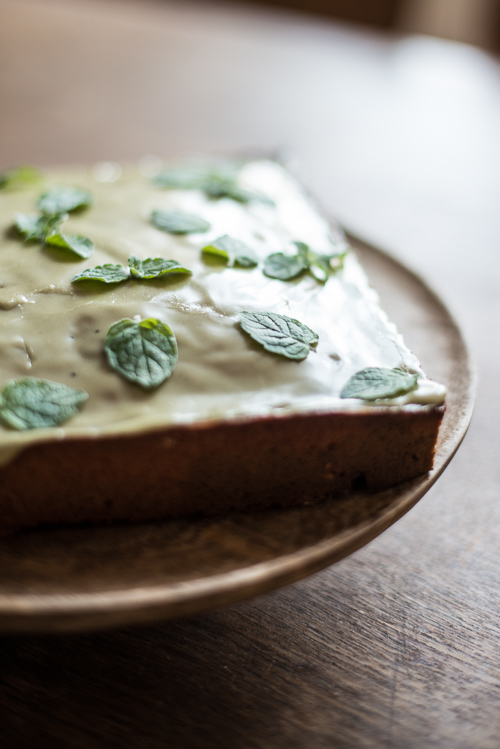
<point>83,578</point>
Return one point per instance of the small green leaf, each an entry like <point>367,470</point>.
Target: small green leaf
<point>322,265</point>
<point>215,180</point>
<point>279,334</point>
<point>107,273</point>
<point>145,352</point>
<point>38,227</point>
<point>377,382</point>
<point>228,188</point>
<point>63,200</point>
<point>336,262</point>
<point>232,251</point>
<point>30,403</point>
<point>154,267</point>
<point>18,177</point>
<point>320,269</point>
<point>194,176</point>
<point>284,267</point>
<point>74,243</point>
<point>179,222</point>
<point>303,249</point>
<point>183,177</point>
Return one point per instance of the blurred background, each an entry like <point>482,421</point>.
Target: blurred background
<point>471,21</point>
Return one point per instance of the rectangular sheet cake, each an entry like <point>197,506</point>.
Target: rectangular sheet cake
<point>199,341</point>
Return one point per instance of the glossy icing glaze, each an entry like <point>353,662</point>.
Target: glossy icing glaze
<point>52,329</point>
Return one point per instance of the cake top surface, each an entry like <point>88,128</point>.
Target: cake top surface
<point>51,328</point>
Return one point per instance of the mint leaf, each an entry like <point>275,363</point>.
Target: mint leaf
<point>18,177</point>
<point>74,243</point>
<point>194,176</point>
<point>178,178</point>
<point>279,334</point>
<point>321,265</point>
<point>227,188</point>
<point>138,269</point>
<point>145,353</point>
<point>37,227</point>
<point>377,382</point>
<point>107,273</point>
<point>320,269</point>
<point>284,267</point>
<point>30,403</point>
<point>179,222</point>
<point>232,251</point>
<point>63,200</point>
<point>154,267</point>
<point>215,180</point>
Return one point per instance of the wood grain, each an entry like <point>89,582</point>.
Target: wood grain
<point>396,645</point>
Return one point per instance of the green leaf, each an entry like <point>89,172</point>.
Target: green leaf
<point>336,261</point>
<point>179,222</point>
<point>320,269</point>
<point>107,273</point>
<point>322,265</point>
<point>63,200</point>
<point>18,177</point>
<point>74,243</point>
<point>285,267</point>
<point>145,353</point>
<point>154,267</point>
<point>38,227</point>
<point>303,249</point>
<point>279,334</point>
<point>215,180</point>
<point>184,177</point>
<point>138,269</point>
<point>377,382</point>
<point>232,251</point>
<point>30,403</point>
<point>194,176</point>
<point>227,188</point>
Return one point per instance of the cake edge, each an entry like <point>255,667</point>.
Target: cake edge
<point>214,468</point>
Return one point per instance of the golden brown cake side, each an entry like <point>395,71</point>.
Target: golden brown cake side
<point>216,468</point>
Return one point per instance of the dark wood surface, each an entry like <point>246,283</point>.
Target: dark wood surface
<point>397,645</point>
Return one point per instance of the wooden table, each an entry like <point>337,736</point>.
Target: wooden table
<point>397,645</point>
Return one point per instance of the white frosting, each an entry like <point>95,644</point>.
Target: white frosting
<point>51,329</point>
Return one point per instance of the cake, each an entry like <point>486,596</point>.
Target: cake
<point>194,339</point>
